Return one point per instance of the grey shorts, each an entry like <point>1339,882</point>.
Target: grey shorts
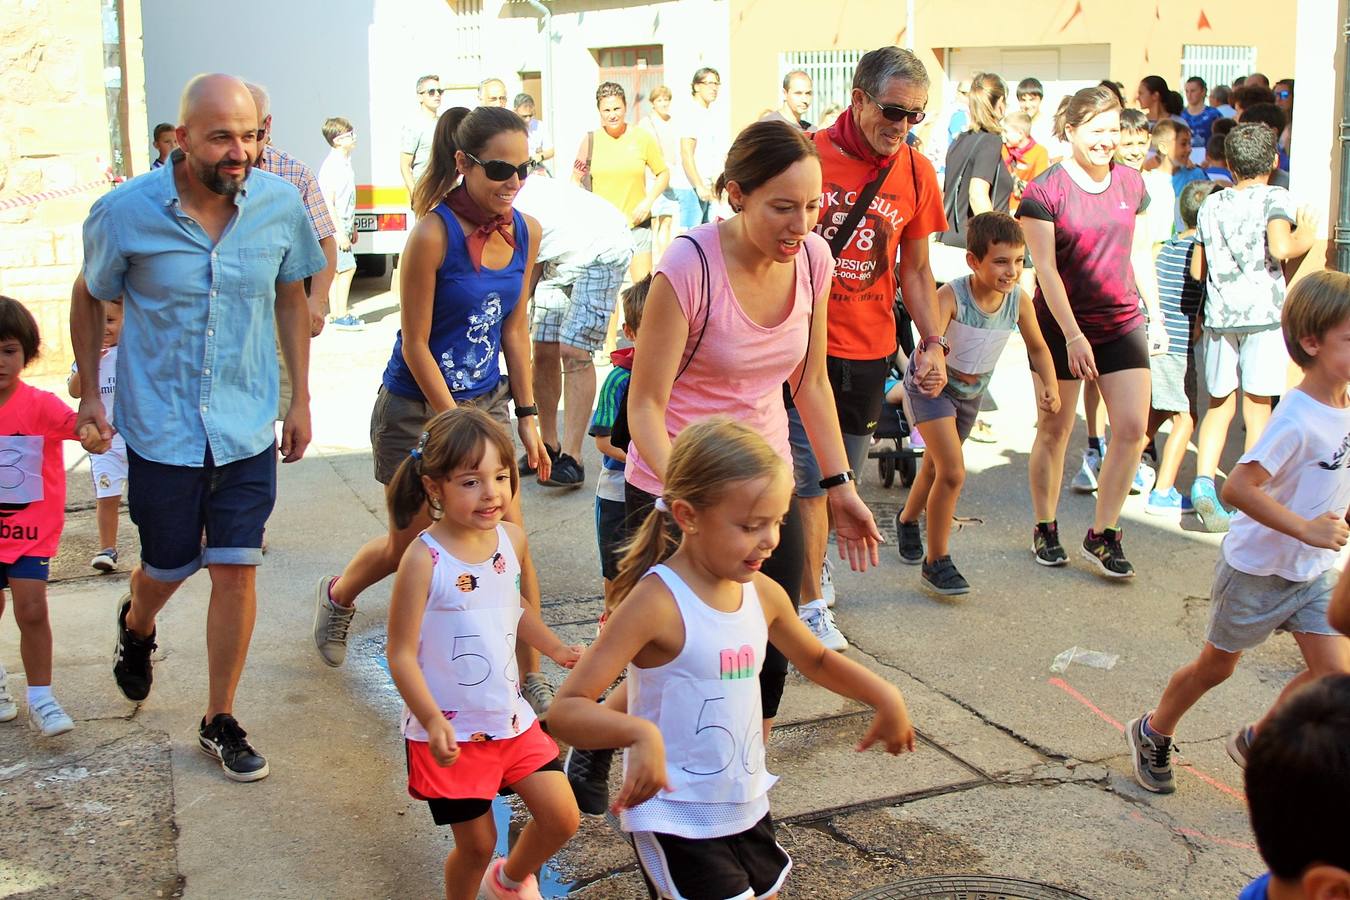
<point>397,423</point>
<point>573,306</point>
<point>946,406</point>
<point>346,260</point>
<point>1170,388</point>
<point>1246,609</point>
<point>642,239</point>
<point>806,472</point>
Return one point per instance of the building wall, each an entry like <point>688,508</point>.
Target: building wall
<point>53,138</point>
<point>1146,41</point>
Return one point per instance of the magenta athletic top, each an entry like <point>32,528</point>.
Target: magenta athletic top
<point>740,366</point>
<point>33,423</point>
<point>1094,234</point>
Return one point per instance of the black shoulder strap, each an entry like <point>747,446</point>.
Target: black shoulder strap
<point>810,317</point>
<point>855,214</point>
<point>707,301</point>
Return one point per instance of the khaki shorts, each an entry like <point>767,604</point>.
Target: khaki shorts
<point>397,423</point>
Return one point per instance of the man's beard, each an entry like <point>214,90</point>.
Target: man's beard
<point>219,183</point>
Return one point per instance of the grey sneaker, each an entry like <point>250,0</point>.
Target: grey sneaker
<point>1239,745</point>
<point>331,624</point>
<point>1085,479</point>
<point>48,718</point>
<point>1152,759</point>
<point>538,692</point>
<point>105,560</point>
<point>9,710</point>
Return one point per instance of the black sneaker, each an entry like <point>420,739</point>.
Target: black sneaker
<point>566,472</point>
<point>941,576</point>
<point>523,464</point>
<point>225,741</point>
<point>1045,544</point>
<point>131,658</point>
<point>588,774</point>
<point>1104,549</point>
<point>909,541</point>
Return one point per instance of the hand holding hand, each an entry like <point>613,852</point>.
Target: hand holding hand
<point>91,426</point>
<point>567,654</point>
<point>1048,399</point>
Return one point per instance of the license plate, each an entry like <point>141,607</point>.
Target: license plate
<point>366,222</point>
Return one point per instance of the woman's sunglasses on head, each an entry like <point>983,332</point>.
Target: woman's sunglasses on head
<point>500,170</point>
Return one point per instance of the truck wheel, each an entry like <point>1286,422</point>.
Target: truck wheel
<point>371,265</point>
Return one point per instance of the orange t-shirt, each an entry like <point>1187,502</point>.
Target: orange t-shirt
<point>861,322</point>
<point>1034,162</point>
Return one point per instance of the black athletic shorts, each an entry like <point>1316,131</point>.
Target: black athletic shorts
<point>859,387</point>
<point>714,868</point>
<point>1129,351</point>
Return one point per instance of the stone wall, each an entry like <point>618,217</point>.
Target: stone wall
<point>53,138</point>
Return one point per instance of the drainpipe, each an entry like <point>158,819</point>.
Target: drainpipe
<point>551,118</point>
<point>1342,236</point>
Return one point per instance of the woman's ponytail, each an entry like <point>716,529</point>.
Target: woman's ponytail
<point>440,175</point>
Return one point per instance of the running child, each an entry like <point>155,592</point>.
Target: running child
<point>108,469</point>
<point>691,630</point>
<point>610,533</point>
<point>1275,571</point>
<point>978,313</point>
<point>453,620</point>
<point>1242,237</point>
<point>33,423</point>
<point>1173,371</point>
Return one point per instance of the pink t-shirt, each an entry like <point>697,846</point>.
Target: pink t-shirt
<point>740,366</point>
<point>33,423</point>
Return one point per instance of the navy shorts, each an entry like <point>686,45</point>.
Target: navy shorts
<point>30,568</point>
<point>172,506</point>
<point>611,533</point>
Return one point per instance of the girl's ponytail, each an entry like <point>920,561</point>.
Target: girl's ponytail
<point>653,543</point>
<point>407,497</point>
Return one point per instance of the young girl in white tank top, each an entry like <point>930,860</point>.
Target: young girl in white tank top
<point>453,621</point>
<point>692,636</point>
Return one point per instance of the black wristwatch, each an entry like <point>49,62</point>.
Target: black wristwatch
<point>836,480</point>
<point>523,411</point>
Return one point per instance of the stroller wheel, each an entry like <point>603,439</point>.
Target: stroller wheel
<point>909,467</point>
<point>886,469</point>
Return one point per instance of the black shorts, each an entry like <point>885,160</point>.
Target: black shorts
<point>611,533</point>
<point>749,864</point>
<point>859,387</point>
<point>453,812</point>
<point>1129,351</point>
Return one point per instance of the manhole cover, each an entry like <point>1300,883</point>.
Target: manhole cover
<point>968,887</point>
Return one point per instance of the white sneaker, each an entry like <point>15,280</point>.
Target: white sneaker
<point>9,710</point>
<point>1085,481</point>
<point>827,581</point>
<point>49,718</point>
<point>1144,479</point>
<point>817,617</point>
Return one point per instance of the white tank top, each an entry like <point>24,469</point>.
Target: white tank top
<point>706,703</point>
<point>467,648</point>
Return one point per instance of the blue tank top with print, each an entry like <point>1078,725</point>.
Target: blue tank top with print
<point>466,316</point>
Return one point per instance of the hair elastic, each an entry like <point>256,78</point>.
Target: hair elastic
<point>661,505</point>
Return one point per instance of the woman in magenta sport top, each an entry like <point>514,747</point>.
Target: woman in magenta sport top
<point>765,310</point>
<point>1083,220</point>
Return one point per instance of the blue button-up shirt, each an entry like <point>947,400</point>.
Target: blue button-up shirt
<point>197,362</point>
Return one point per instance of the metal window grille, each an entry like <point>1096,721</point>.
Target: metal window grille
<point>464,50</point>
<point>1217,64</point>
<point>831,73</point>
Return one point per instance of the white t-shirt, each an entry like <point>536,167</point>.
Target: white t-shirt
<point>704,125</point>
<point>1162,199</point>
<point>579,227</point>
<point>1305,448</point>
<point>1246,284</point>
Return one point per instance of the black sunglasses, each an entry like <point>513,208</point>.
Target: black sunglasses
<point>435,92</point>
<point>898,113</point>
<point>500,170</point>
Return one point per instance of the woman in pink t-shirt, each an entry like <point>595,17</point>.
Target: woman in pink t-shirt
<point>725,343</point>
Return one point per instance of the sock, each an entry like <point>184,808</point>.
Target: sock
<point>505,880</point>
<point>1095,443</point>
<point>1045,522</point>
<point>1148,728</point>
<point>38,693</point>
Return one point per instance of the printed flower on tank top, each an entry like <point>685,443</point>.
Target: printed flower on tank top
<point>473,365</point>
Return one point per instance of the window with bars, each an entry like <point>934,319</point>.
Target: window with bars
<point>831,74</point>
<point>1217,64</point>
<point>630,57</point>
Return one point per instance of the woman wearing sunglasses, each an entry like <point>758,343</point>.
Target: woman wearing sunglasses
<point>616,159</point>
<point>463,285</point>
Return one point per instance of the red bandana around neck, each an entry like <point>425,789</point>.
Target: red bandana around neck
<point>1017,154</point>
<point>484,225</point>
<point>845,133</point>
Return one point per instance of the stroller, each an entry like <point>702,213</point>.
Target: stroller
<point>894,452</point>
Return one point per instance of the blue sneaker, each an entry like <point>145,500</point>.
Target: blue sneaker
<point>1205,499</point>
<point>1163,503</point>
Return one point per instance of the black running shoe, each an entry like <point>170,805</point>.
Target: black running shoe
<point>1104,549</point>
<point>941,577</point>
<point>909,541</point>
<point>588,774</point>
<point>566,472</point>
<point>225,741</point>
<point>1045,544</point>
<point>523,464</point>
<point>131,658</point>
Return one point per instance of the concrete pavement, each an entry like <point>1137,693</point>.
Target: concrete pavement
<point>1020,772</point>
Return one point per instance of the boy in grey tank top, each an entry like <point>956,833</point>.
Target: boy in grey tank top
<point>978,313</point>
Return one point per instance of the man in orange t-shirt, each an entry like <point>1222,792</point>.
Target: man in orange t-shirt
<point>890,91</point>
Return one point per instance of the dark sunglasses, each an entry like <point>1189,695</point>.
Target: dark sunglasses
<point>500,170</point>
<point>898,113</point>
<point>435,92</point>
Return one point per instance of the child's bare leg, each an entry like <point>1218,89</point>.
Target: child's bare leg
<point>475,842</point>
<point>1213,434</point>
<point>554,818</point>
<point>1325,654</point>
<point>1174,451</point>
<point>1255,415</point>
<point>35,630</point>
<point>1189,683</point>
<point>106,512</point>
<point>943,456</point>
<point>917,501</point>
<point>1094,410</point>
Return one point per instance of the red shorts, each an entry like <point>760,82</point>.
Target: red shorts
<point>483,768</point>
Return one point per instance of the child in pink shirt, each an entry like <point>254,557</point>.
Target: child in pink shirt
<point>33,423</point>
